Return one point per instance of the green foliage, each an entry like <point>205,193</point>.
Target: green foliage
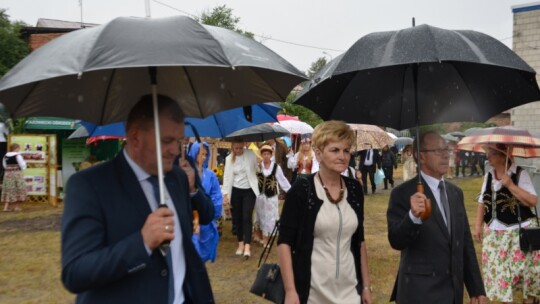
<point>303,113</point>
<point>468,125</point>
<point>316,66</point>
<point>12,47</point>
<point>222,16</point>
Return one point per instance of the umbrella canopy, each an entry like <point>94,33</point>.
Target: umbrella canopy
<point>370,134</point>
<point>471,130</point>
<point>296,126</point>
<point>96,133</point>
<point>220,124</point>
<point>418,76</point>
<point>522,142</point>
<point>260,132</point>
<point>450,137</point>
<point>457,134</point>
<point>88,129</point>
<point>403,141</point>
<point>97,74</point>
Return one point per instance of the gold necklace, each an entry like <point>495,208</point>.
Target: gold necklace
<point>328,195</point>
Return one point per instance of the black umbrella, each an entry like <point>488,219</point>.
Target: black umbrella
<point>421,75</point>
<point>418,76</point>
<point>98,74</point>
<point>260,132</point>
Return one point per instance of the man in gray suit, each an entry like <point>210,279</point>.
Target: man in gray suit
<point>437,254</point>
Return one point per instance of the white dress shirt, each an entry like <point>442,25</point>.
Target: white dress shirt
<point>177,249</point>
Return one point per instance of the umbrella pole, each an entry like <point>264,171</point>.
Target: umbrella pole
<point>165,246</point>
<point>419,186</point>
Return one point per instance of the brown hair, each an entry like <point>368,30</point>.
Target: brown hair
<point>14,147</point>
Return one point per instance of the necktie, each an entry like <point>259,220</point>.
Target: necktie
<point>445,204</point>
<point>153,180</point>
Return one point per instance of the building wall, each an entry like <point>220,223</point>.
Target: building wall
<point>526,43</point>
<point>37,40</point>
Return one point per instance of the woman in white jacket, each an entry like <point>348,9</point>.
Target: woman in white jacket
<point>240,189</point>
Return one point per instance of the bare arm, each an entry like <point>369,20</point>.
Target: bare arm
<point>478,222</point>
<point>366,289</point>
<point>285,264</point>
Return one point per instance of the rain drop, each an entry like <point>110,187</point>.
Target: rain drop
<point>222,86</point>
<point>80,99</point>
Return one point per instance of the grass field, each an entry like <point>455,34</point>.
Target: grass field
<point>30,254</point>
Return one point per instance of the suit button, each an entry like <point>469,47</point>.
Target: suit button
<point>164,273</point>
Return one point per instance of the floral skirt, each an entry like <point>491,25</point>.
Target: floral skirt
<point>13,187</point>
<point>506,268</point>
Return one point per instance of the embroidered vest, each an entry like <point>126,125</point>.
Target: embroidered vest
<point>309,164</point>
<point>268,185</point>
<point>503,208</point>
<point>11,160</point>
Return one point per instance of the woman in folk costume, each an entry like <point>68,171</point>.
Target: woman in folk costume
<point>505,267</point>
<point>206,240</point>
<point>409,165</point>
<point>266,206</point>
<point>13,187</point>
<point>304,161</point>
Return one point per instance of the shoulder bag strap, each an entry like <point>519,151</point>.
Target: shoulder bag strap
<point>269,245</point>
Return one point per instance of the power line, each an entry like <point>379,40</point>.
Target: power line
<point>263,37</point>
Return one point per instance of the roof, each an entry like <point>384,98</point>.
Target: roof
<point>526,7</point>
<point>51,23</point>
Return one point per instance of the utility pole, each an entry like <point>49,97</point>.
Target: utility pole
<point>147,8</point>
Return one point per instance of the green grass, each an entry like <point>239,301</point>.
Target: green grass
<point>30,254</point>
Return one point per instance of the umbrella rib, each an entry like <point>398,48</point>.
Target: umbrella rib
<point>193,90</point>
<point>106,97</point>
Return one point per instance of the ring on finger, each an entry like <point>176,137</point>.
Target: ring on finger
<point>166,227</point>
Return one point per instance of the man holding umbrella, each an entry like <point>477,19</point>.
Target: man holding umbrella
<point>112,227</point>
<point>437,253</point>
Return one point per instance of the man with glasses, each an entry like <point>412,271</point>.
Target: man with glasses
<point>437,254</point>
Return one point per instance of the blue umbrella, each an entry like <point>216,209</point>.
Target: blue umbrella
<point>221,124</point>
<point>89,129</point>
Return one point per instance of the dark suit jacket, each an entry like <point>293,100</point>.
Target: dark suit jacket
<point>434,265</point>
<point>376,159</point>
<point>104,259</point>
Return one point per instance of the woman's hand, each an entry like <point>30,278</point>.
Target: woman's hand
<point>477,234</point>
<point>291,297</point>
<point>366,296</point>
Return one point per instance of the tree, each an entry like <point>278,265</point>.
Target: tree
<point>316,66</point>
<point>303,113</point>
<point>12,47</point>
<point>221,16</point>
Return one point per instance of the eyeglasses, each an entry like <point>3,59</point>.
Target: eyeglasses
<point>439,151</point>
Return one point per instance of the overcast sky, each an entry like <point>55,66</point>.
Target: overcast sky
<point>322,27</point>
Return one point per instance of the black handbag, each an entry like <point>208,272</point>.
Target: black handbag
<point>529,237</point>
<point>268,284</point>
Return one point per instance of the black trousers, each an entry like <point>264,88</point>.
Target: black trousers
<point>371,171</point>
<point>388,176</point>
<point>242,204</point>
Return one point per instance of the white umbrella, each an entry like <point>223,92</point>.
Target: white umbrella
<point>296,127</point>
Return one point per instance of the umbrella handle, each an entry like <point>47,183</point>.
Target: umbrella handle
<point>424,215</point>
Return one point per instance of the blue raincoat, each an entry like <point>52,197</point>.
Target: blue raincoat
<point>207,241</point>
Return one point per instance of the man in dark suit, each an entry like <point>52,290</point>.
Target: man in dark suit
<point>369,162</point>
<point>437,254</point>
<point>112,227</point>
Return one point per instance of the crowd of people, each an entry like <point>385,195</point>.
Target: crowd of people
<point>116,237</point>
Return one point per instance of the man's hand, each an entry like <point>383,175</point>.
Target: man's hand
<point>478,300</point>
<point>418,203</point>
<point>159,227</point>
<point>184,164</point>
